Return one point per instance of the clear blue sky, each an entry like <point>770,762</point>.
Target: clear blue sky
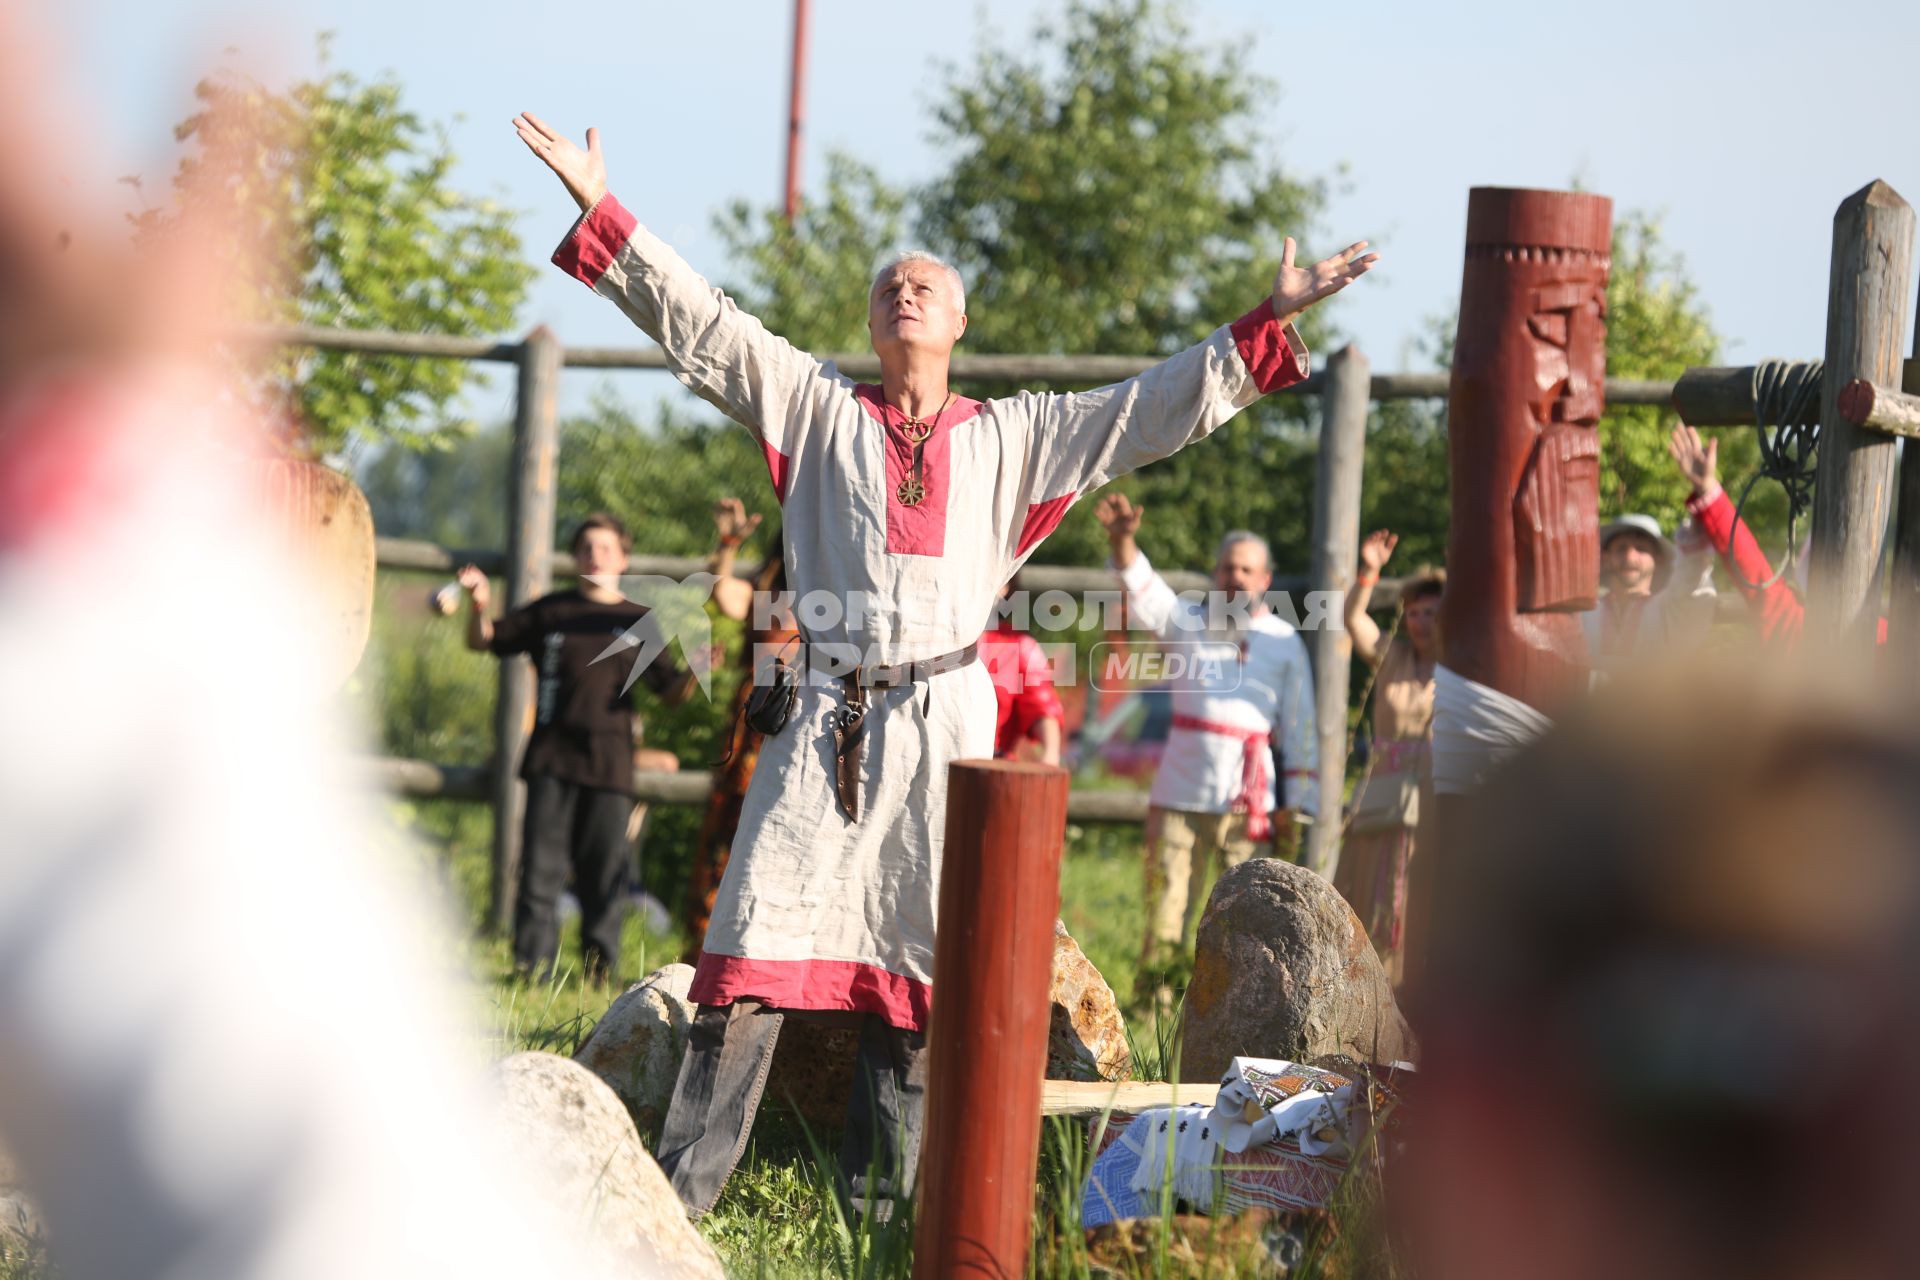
<point>1740,123</point>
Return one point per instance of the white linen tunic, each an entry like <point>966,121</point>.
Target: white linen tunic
<point>1261,684</point>
<point>816,912</point>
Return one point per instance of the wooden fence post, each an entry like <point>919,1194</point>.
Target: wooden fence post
<point>1854,487</point>
<point>1336,546</point>
<point>993,962</point>
<point>1903,622</point>
<point>530,514</point>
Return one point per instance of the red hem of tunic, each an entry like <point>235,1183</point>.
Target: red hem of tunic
<point>601,233</point>
<point>1269,354</point>
<point>813,984</point>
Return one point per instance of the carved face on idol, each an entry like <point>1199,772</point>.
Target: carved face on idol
<point>1568,326</point>
<point>915,306</point>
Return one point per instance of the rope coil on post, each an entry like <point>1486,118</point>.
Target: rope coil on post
<point>1786,400</point>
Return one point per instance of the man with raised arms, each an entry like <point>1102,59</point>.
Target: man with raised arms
<point>905,506</point>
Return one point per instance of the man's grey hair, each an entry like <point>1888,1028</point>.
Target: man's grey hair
<point>1239,536</point>
<point>932,260</point>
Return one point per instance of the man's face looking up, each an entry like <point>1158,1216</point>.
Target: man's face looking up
<point>914,306</point>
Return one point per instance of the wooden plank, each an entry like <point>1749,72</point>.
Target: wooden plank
<point>1854,489</point>
<point>1035,367</point>
<point>1092,1098</point>
<point>529,573</point>
<point>1336,546</point>
<point>427,780</point>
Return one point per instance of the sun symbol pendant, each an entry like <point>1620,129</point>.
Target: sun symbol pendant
<point>910,492</point>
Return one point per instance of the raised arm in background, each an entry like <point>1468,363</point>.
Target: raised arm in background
<point>1361,628</point>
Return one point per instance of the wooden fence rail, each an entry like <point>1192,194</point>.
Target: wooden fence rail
<point>425,780</point>
<point>983,368</point>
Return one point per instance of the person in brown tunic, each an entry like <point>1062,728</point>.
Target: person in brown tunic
<point>1372,873</point>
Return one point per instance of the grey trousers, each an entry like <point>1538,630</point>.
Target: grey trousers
<point>724,1074</point>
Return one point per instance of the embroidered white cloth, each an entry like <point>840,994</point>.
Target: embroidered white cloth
<point>1178,1148</point>
<point>1263,1100</point>
<point>815,912</point>
<point>1259,682</point>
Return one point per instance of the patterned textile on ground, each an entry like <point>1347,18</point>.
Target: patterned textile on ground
<point>1275,1138</point>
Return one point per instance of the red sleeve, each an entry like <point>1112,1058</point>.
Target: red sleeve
<point>1036,699</point>
<point>1777,609</point>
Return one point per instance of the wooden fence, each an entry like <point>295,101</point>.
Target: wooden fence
<point>530,560</point>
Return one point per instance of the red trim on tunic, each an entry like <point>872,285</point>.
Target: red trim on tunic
<point>1042,519</point>
<point>777,467</point>
<point>919,530</point>
<point>589,248</point>
<point>1269,356</point>
<point>813,984</point>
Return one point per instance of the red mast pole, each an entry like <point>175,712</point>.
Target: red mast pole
<point>795,100</point>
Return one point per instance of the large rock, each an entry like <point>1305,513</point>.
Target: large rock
<point>576,1142</point>
<point>1283,969</point>
<point>813,1063</point>
<point>637,1044</point>
<point>1088,1038</point>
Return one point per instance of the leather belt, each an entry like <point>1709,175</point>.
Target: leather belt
<point>849,723</point>
<point>821,658</point>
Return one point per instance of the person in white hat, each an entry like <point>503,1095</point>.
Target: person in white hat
<point>1655,598</point>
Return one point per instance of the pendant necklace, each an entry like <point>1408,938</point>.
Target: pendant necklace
<point>913,489</point>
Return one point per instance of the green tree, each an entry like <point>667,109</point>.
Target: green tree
<point>808,280</point>
<point>1108,190</point>
<point>353,195</point>
<point>1657,326</point>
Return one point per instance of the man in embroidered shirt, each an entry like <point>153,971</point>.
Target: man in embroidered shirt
<point>905,506</point>
<point>1215,794</point>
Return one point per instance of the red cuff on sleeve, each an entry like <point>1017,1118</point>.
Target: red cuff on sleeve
<point>601,232</point>
<point>1270,358</point>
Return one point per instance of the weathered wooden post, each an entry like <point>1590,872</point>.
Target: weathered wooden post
<point>530,514</point>
<point>1854,487</point>
<point>1336,545</point>
<point>993,961</point>
<point>1904,606</point>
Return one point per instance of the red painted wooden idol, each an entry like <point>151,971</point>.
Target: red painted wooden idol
<point>1529,385</point>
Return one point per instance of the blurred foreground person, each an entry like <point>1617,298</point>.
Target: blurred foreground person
<point>1670,1026</point>
<point>229,1048</point>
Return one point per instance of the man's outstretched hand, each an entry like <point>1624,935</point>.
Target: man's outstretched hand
<point>584,172</point>
<point>1297,288</point>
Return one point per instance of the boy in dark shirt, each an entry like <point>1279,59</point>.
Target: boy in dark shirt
<point>579,761</point>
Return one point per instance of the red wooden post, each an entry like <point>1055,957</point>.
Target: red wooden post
<point>992,964</point>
